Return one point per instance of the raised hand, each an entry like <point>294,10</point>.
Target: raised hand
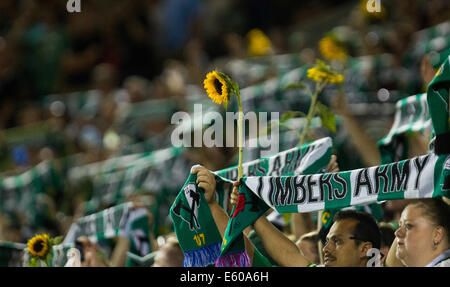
<point>205,180</point>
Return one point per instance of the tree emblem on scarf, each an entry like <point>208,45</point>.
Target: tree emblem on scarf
<point>240,206</point>
<point>193,199</point>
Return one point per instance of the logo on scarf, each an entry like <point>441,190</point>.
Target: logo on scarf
<point>193,199</point>
<point>239,205</point>
<point>325,217</point>
<point>447,163</point>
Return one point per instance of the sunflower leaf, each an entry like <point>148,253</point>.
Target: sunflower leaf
<point>48,257</point>
<point>326,116</point>
<point>269,128</point>
<point>235,87</point>
<point>291,86</point>
<point>33,262</point>
<point>55,241</point>
<point>291,114</point>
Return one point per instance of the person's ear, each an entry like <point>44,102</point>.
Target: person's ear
<point>438,235</point>
<point>364,248</point>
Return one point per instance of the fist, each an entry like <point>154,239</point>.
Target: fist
<point>205,180</point>
<point>332,165</point>
<point>234,194</point>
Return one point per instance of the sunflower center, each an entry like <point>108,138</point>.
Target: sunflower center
<point>218,86</point>
<point>38,245</point>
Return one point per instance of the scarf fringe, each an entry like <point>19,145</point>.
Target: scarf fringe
<point>235,259</point>
<point>203,256</point>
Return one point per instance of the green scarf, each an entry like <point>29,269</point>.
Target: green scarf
<point>195,229</point>
<point>310,158</point>
<point>411,116</point>
<point>120,220</point>
<point>438,104</point>
<point>113,180</point>
<point>420,177</point>
<point>21,192</point>
<point>11,254</point>
<point>437,98</point>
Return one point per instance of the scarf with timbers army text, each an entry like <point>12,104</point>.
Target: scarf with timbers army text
<point>193,223</point>
<point>411,116</point>
<point>120,220</point>
<point>420,177</point>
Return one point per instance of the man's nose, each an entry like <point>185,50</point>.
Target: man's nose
<point>327,247</point>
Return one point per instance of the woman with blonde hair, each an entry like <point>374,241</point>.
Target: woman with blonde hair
<point>422,238</point>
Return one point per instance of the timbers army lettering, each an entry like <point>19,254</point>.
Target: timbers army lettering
<point>358,185</point>
<point>290,162</point>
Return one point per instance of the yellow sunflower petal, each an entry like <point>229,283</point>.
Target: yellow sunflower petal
<point>216,87</point>
<point>38,245</point>
<point>331,50</point>
<point>318,75</point>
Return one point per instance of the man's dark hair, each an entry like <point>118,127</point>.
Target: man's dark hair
<point>367,228</point>
<point>387,234</point>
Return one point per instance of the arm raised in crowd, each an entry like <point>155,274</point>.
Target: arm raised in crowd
<point>391,258</point>
<point>366,147</point>
<point>301,222</point>
<point>94,257</point>
<point>279,247</point>
<point>206,180</point>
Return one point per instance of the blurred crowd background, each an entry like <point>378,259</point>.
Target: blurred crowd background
<point>83,88</point>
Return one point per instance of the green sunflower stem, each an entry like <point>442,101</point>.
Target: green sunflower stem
<point>240,136</point>
<point>311,112</point>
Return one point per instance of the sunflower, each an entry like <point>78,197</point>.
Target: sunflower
<point>216,87</point>
<point>331,49</point>
<point>39,246</point>
<point>219,87</point>
<point>319,75</point>
<point>259,43</point>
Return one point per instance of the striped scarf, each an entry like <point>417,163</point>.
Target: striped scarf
<point>101,227</point>
<point>420,177</point>
<point>193,223</point>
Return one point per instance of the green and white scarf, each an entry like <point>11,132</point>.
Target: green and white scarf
<point>411,116</point>
<point>11,254</point>
<point>258,68</point>
<point>425,35</point>
<point>193,223</point>
<point>121,220</point>
<point>420,177</point>
<point>21,192</point>
<point>425,176</point>
<point>116,179</point>
<point>195,229</point>
<point>435,46</point>
<point>438,103</point>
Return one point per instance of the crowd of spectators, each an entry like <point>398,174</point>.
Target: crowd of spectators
<point>68,80</point>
